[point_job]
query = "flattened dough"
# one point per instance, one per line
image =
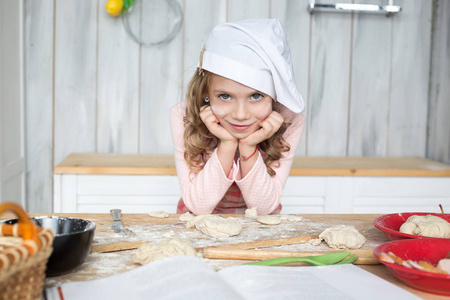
(150, 252)
(187, 216)
(158, 214)
(291, 218)
(429, 225)
(216, 226)
(269, 220)
(251, 213)
(342, 237)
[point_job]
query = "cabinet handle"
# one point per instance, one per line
(389, 9)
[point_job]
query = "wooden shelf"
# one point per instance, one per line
(159, 164)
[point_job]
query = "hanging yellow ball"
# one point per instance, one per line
(114, 7)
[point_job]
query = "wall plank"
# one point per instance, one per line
(196, 33)
(329, 84)
(370, 78)
(75, 77)
(439, 106)
(117, 86)
(294, 16)
(249, 9)
(161, 69)
(408, 108)
(39, 17)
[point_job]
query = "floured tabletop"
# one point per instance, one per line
(142, 227)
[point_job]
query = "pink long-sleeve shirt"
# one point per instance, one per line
(201, 192)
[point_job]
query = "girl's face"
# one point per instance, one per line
(238, 108)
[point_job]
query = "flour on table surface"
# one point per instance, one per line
(100, 265)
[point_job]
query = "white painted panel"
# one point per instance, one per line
(402, 186)
(126, 208)
(57, 193)
(438, 147)
(249, 9)
(302, 210)
(200, 18)
(370, 78)
(161, 71)
(301, 200)
(128, 185)
(412, 201)
(410, 79)
(339, 194)
(305, 185)
(128, 204)
(128, 199)
(75, 77)
(117, 87)
(392, 209)
(68, 194)
(296, 21)
(39, 20)
(329, 79)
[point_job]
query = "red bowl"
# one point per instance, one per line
(390, 225)
(431, 250)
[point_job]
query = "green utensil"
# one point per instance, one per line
(319, 260)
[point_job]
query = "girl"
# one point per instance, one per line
(236, 134)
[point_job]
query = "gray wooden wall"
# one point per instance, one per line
(366, 79)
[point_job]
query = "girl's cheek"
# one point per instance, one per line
(217, 111)
(264, 111)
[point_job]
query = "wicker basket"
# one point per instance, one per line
(24, 251)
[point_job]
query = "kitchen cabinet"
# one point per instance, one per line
(140, 183)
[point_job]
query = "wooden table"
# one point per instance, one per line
(99, 265)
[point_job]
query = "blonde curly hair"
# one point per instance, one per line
(198, 141)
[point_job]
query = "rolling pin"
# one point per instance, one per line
(365, 256)
(116, 246)
(266, 243)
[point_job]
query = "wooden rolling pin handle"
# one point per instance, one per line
(268, 243)
(117, 246)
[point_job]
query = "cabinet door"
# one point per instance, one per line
(401, 194)
(130, 193)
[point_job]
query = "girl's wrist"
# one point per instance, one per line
(247, 152)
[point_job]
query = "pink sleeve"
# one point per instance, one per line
(203, 191)
(263, 191)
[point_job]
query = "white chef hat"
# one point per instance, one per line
(255, 53)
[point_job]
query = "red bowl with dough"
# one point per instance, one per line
(431, 250)
(390, 224)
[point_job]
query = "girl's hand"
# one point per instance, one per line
(212, 123)
(268, 128)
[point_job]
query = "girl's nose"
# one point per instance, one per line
(241, 111)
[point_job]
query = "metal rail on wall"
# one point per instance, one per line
(389, 9)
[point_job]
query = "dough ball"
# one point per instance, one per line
(187, 216)
(158, 214)
(291, 218)
(341, 237)
(216, 226)
(269, 220)
(150, 252)
(251, 213)
(315, 242)
(431, 226)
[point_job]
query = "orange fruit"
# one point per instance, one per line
(114, 7)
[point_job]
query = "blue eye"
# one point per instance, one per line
(257, 97)
(225, 97)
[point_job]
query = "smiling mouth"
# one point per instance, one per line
(240, 127)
